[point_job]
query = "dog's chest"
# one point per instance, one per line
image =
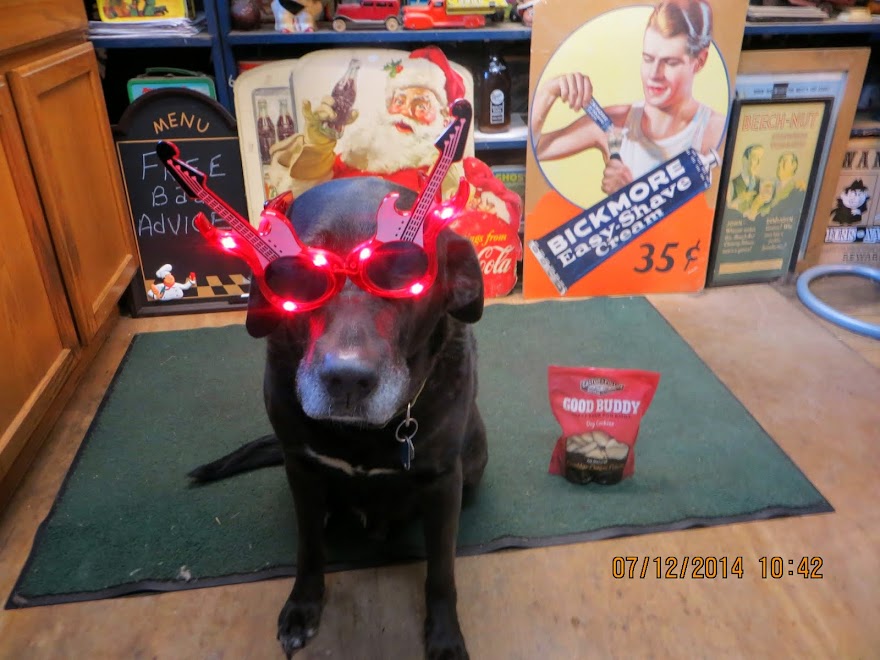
(349, 467)
(362, 455)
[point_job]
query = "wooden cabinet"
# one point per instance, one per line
(36, 330)
(67, 252)
(28, 23)
(64, 120)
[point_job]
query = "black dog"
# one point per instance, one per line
(338, 383)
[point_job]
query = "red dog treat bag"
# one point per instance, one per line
(599, 411)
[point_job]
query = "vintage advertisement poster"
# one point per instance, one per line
(372, 112)
(852, 234)
(629, 107)
(768, 179)
(807, 74)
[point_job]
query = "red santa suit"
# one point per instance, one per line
(409, 177)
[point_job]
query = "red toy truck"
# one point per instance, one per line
(367, 14)
(452, 14)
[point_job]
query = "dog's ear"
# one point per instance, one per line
(464, 280)
(262, 317)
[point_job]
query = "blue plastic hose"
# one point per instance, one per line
(828, 312)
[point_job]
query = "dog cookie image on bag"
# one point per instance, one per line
(345, 385)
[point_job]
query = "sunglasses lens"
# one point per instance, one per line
(298, 279)
(396, 265)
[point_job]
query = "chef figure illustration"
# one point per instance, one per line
(169, 289)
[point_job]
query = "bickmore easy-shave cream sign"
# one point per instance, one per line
(629, 106)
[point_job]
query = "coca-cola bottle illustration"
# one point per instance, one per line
(284, 125)
(265, 130)
(344, 93)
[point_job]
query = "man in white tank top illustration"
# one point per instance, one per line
(667, 122)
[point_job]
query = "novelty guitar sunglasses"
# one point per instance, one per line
(398, 261)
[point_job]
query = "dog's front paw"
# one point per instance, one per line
(298, 621)
(443, 640)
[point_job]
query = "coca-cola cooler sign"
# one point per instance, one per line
(354, 112)
(498, 248)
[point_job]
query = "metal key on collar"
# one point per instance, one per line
(405, 432)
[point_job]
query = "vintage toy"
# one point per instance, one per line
(296, 15)
(170, 78)
(367, 14)
(245, 14)
(523, 12)
(453, 14)
(494, 9)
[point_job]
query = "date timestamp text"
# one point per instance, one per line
(712, 568)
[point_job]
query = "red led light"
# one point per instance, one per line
(420, 227)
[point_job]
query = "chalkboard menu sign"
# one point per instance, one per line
(181, 272)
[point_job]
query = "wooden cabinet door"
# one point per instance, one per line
(28, 22)
(62, 113)
(38, 343)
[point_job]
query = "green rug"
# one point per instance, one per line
(126, 519)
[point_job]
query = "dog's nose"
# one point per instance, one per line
(348, 377)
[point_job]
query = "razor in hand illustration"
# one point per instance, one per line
(615, 135)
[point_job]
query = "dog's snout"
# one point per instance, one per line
(348, 377)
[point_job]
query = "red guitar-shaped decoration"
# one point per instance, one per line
(275, 237)
(395, 225)
(387, 271)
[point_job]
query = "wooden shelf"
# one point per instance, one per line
(492, 32)
(516, 137)
(499, 144)
(772, 28)
(201, 40)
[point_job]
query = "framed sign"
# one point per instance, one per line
(180, 271)
(769, 175)
(836, 73)
(629, 106)
(852, 232)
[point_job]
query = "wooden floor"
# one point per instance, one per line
(814, 387)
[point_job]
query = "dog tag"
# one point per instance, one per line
(407, 452)
(405, 432)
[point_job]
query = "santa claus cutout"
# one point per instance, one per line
(377, 112)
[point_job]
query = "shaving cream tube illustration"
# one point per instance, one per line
(578, 246)
(615, 135)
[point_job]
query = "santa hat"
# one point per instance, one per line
(428, 68)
